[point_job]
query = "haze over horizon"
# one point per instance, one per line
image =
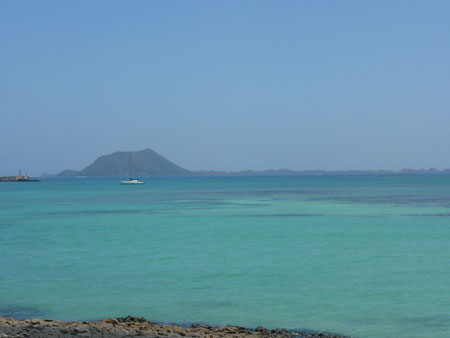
(225, 85)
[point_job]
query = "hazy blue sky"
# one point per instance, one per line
(226, 85)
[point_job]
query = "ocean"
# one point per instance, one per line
(362, 255)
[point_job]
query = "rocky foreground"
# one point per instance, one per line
(134, 327)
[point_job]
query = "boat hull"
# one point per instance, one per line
(131, 182)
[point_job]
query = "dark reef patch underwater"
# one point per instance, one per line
(20, 312)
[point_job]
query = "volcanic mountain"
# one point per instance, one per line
(125, 163)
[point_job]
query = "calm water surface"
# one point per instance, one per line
(364, 256)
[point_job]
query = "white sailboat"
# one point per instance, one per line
(131, 180)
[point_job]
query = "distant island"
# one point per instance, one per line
(149, 163)
(123, 163)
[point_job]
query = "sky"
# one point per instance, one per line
(225, 85)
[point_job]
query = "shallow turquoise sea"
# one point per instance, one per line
(363, 256)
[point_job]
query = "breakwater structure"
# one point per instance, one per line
(18, 178)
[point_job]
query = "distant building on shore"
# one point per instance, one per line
(18, 178)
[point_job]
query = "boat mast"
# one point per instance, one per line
(129, 166)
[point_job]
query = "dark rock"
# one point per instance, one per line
(241, 329)
(131, 319)
(281, 332)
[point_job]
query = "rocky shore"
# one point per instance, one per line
(135, 327)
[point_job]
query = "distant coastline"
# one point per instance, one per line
(18, 178)
(287, 172)
(149, 163)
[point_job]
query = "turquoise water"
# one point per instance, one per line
(364, 256)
